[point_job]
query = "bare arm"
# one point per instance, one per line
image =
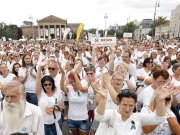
(111, 57)
(130, 85)
(174, 125)
(79, 85)
(148, 129)
(94, 55)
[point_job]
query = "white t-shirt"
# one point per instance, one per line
(77, 103)
(126, 127)
(175, 83)
(30, 82)
(45, 101)
(7, 79)
(147, 94)
(117, 60)
(99, 71)
(132, 79)
(143, 73)
(161, 129)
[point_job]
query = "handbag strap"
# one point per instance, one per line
(113, 119)
(54, 114)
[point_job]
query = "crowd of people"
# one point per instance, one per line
(133, 85)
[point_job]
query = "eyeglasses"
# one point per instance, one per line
(126, 92)
(167, 99)
(118, 80)
(49, 68)
(89, 73)
(47, 84)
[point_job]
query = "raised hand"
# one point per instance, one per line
(112, 48)
(123, 70)
(105, 78)
(95, 46)
(43, 64)
(49, 110)
(164, 91)
(99, 89)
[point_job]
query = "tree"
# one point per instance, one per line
(160, 20)
(111, 32)
(129, 27)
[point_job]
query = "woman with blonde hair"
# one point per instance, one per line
(169, 126)
(129, 80)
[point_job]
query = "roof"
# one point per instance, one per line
(51, 18)
(146, 23)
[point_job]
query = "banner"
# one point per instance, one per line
(79, 30)
(103, 41)
(52, 30)
(97, 32)
(105, 33)
(127, 35)
(57, 32)
(46, 32)
(67, 30)
(70, 35)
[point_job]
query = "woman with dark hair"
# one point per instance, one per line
(123, 120)
(15, 69)
(50, 100)
(145, 71)
(101, 63)
(77, 93)
(166, 64)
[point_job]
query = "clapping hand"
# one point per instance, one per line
(49, 110)
(43, 64)
(105, 78)
(99, 89)
(166, 90)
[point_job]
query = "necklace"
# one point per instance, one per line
(54, 97)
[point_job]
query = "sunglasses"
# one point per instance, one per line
(126, 92)
(47, 84)
(49, 68)
(150, 62)
(89, 73)
(167, 99)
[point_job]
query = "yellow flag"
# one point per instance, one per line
(79, 31)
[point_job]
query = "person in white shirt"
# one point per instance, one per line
(19, 116)
(126, 122)
(50, 100)
(169, 126)
(27, 76)
(77, 92)
(118, 58)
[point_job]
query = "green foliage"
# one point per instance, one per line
(160, 20)
(10, 31)
(111, 32)
(129, 27)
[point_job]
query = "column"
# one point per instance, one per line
(60, 32)
(39, 32)
(44, 31)
(55, 32)
(48, 31)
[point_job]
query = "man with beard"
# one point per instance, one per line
(19, 116)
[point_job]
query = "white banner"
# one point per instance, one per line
(46, 31)
(105, 33)
(103, 41)
(52, 30)
(70, 35)
(127, 35)
(67, 30)
(97, 32)
(57, 31)
(41, 32)
(62, 31)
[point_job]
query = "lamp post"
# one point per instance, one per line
(128, 18)
(105, 17)
(31, 18)
(156, 5)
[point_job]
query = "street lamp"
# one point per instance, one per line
(105, 17)
(31, 18)
(156, 5)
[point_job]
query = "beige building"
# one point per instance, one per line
(50, 27)
(162, 31)
(175, 23)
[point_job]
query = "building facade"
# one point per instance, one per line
(175, 23)
(143, 29)
(50, 27)
(162, 31)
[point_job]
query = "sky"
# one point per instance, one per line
(89, 12)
